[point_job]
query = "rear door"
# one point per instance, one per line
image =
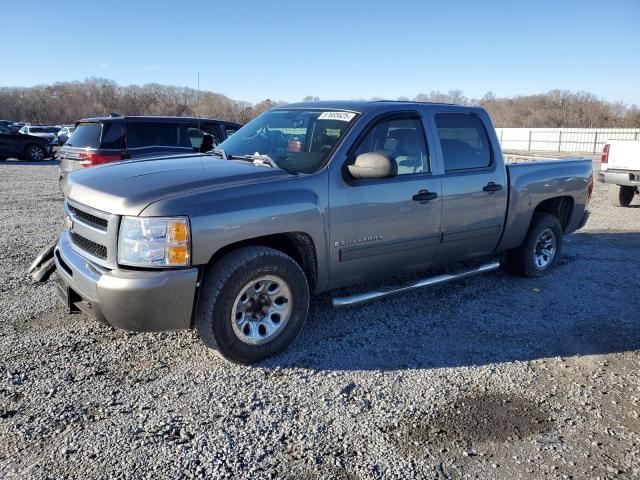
(474, 188)
(381, 227)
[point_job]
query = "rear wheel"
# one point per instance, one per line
(540, 250)
(35, 153)
(253, 303)
(621, 195)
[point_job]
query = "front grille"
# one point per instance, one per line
(95, 249)
(92, 220)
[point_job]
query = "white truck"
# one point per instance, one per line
(620, 168)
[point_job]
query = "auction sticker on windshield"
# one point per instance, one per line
(344, 116)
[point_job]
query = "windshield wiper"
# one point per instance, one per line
(261, 161)
(256, 159)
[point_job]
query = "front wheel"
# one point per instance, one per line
(540, 250)
(35, 153)
(253, 303)
(621, 195)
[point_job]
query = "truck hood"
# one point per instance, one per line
(126, 188)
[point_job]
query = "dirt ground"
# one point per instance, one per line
(492, 377)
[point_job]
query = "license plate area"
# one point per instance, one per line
(67, 295)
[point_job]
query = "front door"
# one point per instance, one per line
(474, 189)
(382, 227)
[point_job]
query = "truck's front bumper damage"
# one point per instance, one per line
(136, 300)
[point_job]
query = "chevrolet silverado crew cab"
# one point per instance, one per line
(620, 168)
(304, 199)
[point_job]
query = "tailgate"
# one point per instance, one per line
(624, 155)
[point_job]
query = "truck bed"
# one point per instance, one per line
(534, 180)
(511, 157)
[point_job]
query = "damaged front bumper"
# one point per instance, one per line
(136, 300)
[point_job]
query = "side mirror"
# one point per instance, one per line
(373, 165)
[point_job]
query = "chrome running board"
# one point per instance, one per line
(425, 282)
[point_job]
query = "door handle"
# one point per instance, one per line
(492, 187)
(424, 196)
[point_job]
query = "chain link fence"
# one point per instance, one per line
(563, 140)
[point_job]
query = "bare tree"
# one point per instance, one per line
(70, 101)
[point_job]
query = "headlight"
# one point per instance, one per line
(154, 242)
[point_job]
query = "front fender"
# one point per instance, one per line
(229, 215)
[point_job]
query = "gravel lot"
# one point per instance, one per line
(492, 377)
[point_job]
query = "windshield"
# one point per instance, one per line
(296, 140)
(37, 130)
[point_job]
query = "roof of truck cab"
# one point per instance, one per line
(362, 106)
(157, 118)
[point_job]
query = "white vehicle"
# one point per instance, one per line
(50, 133)
(64, 133)
(620, 168)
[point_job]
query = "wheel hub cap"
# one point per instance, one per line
(261, 310)
(545, 249)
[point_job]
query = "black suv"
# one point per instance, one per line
(108, 139)
(23, 147)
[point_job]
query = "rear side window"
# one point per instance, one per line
(463, 140)
(86, 135)
(113, 135)
(156, 134)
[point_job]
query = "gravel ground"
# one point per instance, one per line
(492, 377)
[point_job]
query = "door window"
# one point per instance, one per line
(463, 140)
(403, 140)
(196, 135)
(154, 134)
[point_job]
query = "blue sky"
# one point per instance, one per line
(332, 49)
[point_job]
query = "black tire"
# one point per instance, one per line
(35, 153)
(523, 260)
(621, 195)
(226, 280)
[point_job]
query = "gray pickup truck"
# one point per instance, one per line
(304, 199)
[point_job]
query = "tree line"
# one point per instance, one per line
(67, 102)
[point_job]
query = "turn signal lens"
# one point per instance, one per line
(178, 255)
(179, 231)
